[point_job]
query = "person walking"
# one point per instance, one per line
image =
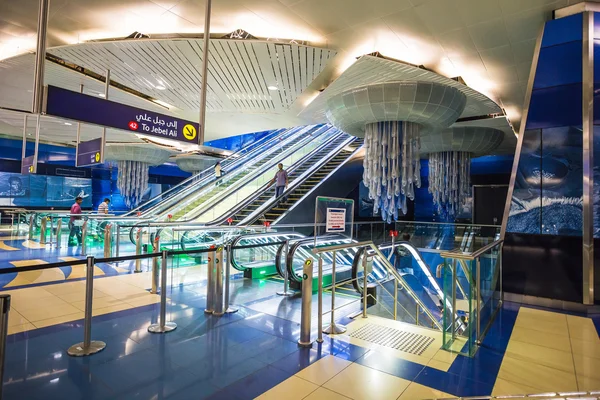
(218, 172)
(103, 207)
(281, 182)
(74, 221)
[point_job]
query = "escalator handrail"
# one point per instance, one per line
(289, 260)
(235, 155)
(239, 238)
(297, 181)
(231, 190)
(236, 163)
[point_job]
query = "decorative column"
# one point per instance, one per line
(393, 117)
(133, 162)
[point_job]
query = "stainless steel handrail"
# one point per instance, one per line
(470, 256)
(391, 270)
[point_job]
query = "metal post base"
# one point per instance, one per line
(231, 310)
(135, 271)
(335, 329)
(77, 350)
(304, 344)
(286, 293)
(157, 328)
(206, 311)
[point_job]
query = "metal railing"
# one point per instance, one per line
(593, 395)
(480, 288)
(307, 285)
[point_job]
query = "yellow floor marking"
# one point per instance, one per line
(6, 247)
(78, 271)
(33, 245)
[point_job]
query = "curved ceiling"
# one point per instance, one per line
(488, 43)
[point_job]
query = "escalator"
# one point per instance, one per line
(230, 179)
(199, 180)
(248, 213)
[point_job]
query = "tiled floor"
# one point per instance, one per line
(254, 353)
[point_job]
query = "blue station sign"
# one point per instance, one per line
(80, 107)
(89, 153)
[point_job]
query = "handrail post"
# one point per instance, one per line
(155, 249)
(307, 278)
(364, 262)
(218, 309)
(5, 307)
(58, 233)
(138, 251)
(333, 328)
(227, 307)
(163, 326)
(286, 291)
(210, 284)
(88, 346)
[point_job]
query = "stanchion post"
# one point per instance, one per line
(83, 236)
(364, 262)
(58, 233)
(307, 275)
(88, 346)
(31, 227)
(154, 289)
(228, 308)
(286, 291)
(163, 326)
(107, 241)
(118, 243)
(210, 284)
(333, 328)
(51, 229)
(43, 230)
(138, 251)
(320, 301)
(218, 309)
(5, 308)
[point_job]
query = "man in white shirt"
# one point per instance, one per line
(103, 207)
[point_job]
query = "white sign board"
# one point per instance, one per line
(336, 220)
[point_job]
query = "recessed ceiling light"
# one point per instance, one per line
(161, 87)
(68, 123)
(272, 88)
(101, 95)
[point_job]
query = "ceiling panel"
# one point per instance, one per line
(240, 72)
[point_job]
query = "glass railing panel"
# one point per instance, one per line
(473, 293)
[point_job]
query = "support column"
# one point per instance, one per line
(588, 157)
(204, 76)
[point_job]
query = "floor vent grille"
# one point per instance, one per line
(397, 339)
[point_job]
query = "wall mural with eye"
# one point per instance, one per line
(547, 197)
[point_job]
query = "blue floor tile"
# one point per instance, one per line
(298, 360)
(391, 365)
(456, 385)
